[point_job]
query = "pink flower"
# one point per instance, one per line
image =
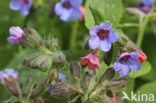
(92, 60)
(142, 57)
(82, 10)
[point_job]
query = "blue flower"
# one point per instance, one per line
(127, 62)
(146, 5)
(22, 5)
(147, 2)
(102, 36)
(68, 9)
(7, 73)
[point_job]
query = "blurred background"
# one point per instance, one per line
(49, 26)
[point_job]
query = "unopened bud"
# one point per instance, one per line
(117, 84)
(63, 89)
(51, 9)
(75, 70)
(108, 57)
(12, 86)
(40, 89)
(39, 61)
(59, 58)
(33, 39)
(86, 45)
(108, 75)
(135, 11)
(87, 78)
(27, 87)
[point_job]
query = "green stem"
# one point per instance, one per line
(44, 49)
(142, 30)
(74, 35)
(128, 25)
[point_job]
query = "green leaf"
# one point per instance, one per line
(98, 11)
(89, 19)
(148, 89)
(145, 68)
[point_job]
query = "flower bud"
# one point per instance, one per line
(33, 39)
(108, 56)
(39, 61)
(86, 46)
(59, 58)
(63, 89)
(87, 78)
(108, 75)
(40, 89)
(27, 87)
(142, 57)
(12, 86)
(51, 9)
(117, 84)
(75, 70)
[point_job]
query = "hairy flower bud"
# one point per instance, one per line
(39, 61)
(51, 9)
(40, 89)
(86, 45)
(75, 70)
(63, 89)
(12, 86)
(59, 58)
(108, 57)
(117, 84)
(27, 87)
(108, 75)
(87, 78)
(33, 39)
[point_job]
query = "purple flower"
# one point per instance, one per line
(127, 62)
(22, 5)
(7, 73)
(15, 34)
(68, 9)
(102, 36)
(146, 5)
(62, 77)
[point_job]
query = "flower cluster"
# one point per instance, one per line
(68, 9)
(22, 5)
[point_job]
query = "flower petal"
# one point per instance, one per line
(113, 37)
(122, 67)
(134, 64)
(76, 13)
(16, 32)
(93, 31)
(94, 42)
(66, 15)
(15, 4)
(25, 9)
(58, 9)
(13, 40)
(105, 45)
(135, 54)
(107, 25)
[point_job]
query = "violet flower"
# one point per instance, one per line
(127, 62)
(15, 34)
(102, 36)
(7, 73)
(22, 5)
(68, 9)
